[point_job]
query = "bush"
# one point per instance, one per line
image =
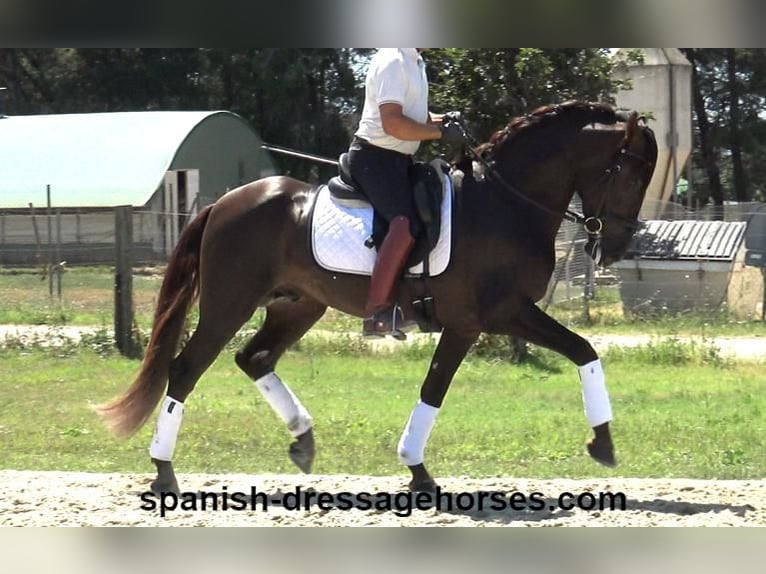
(510, 349)
(670, 351)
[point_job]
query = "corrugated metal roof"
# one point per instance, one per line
(90, 160)
(688, 240)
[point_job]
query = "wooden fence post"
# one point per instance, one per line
(37, 233)
(50, 242)
(763, 303)
(78, 230)
(2, 238)
(123, 281)
(59, 263)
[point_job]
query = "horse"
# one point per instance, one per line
(250, 249)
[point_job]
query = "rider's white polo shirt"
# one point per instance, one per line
(395, 75)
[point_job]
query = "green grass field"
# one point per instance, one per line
(679, 412)
(87, 297)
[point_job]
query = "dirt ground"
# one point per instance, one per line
(33, 498)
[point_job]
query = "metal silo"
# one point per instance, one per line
(661, 86)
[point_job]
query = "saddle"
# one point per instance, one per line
(427, 195)
(431, 251)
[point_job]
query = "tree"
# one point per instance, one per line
(492, 86)
(735, 127)
(310, 98)
(729, 92)
(706, 150)
(294, 97)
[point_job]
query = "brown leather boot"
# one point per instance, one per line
(382, 316)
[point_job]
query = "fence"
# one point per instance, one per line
(34, 238)
(726, 285)
(78, 237)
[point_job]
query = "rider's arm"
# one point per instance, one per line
(396, 124)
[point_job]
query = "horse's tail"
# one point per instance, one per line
(180, 287)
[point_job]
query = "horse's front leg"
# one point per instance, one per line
(449, 353)
(540, 329)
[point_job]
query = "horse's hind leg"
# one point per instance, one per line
(540, 329)
(286, 322)
(214, 330)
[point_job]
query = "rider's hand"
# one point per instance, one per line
(452, 133)
(452, 117)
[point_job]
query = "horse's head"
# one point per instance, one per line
(617, 162)
(606, 156)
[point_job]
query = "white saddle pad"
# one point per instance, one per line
(338, 233)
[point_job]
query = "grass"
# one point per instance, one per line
(680, 411)
(87, 297)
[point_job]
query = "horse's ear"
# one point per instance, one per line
(630, 127)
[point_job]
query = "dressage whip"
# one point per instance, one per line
(300, 154)
(472, 146)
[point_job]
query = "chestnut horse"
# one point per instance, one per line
(251, 248)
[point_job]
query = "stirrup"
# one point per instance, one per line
(385, 322)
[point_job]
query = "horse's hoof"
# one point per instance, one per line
(166, 478)
(602, 454)
(301, 451)
(159, 487)
(428, 486)
(421, 479)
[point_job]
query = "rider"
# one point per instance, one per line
(395, 119)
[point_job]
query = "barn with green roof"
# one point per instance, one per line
(166, 165)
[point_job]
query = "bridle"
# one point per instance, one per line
(592, 224)
(601, 215)
(593, 246)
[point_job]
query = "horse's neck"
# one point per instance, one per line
(543, 217)
(545, 196)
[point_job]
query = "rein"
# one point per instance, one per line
(593, 224)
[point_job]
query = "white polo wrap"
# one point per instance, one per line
(284, 403)
(415, 436)
(166, 432)
(598, 409)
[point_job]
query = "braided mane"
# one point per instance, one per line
(577, 112)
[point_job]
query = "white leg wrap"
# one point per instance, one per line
(284, 403)
(598, 409)
(166, 432)
(415, 435)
